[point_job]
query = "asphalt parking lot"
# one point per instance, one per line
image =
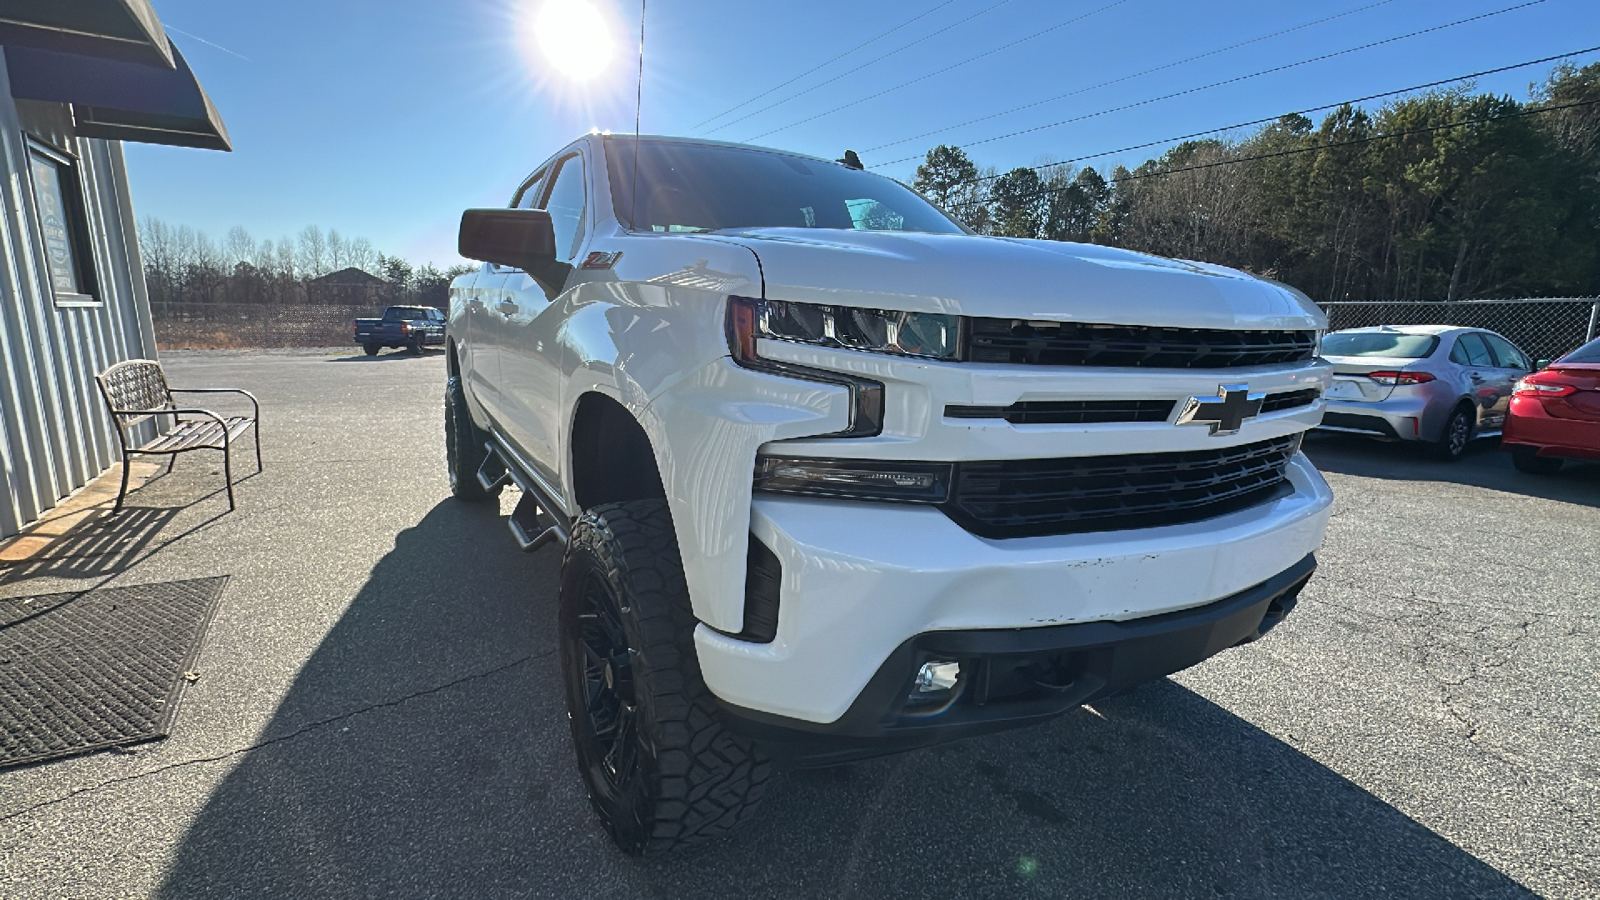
(378, 711)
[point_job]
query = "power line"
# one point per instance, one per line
(1151, 71)
(1299, 112)
(897, 50)
(1427, 129)
(1235, 80)
(824, 65)
(971, 59)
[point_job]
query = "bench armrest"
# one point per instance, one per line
(253, 402)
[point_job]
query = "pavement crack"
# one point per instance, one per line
(282, 738)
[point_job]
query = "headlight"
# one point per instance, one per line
(924, 335)
(858, 479)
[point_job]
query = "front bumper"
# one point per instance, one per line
(861, 579)
(1016, 677)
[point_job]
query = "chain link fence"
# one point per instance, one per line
(1543, 328)
(221, 326)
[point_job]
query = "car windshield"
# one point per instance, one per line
(701, 187)
(1588, 353)
(1394, 344)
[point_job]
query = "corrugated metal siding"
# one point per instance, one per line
(54, 433)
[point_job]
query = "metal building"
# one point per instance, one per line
(77, 79)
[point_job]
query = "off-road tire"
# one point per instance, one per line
(1528, 460)
(463, 445)
(1457, 435)
(372, 349)
(688, 778)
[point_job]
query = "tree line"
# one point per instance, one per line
(184, 265)
(1446, 195)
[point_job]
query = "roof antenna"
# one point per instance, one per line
(851, 160)
(638, 103)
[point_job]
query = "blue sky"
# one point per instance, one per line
(385, 118)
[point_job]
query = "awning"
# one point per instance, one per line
(120, 100)
(112, 29)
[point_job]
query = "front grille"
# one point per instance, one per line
(1079, 344)
(1068, 412)
(1030, 497)
(1097, 412)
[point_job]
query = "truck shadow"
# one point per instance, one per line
(389, 355)
(423, 751)
(1484, 465)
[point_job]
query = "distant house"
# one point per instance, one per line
(76, 79)
(349, 286)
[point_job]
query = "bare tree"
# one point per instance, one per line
(338, 251)
(240, 246)
(313, 251)
(359, 253)
(288, 260)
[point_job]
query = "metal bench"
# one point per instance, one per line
(137, 390)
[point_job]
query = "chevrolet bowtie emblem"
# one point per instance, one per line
(1226, 412)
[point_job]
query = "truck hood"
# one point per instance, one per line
(974, 275)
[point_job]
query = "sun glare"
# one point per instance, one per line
(573, 37)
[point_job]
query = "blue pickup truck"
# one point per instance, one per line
(414, 327)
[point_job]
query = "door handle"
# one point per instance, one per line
(1476, 378)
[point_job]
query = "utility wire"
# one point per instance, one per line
(824, 65)
(1151, 71)
(873, 62)
(1427, 129)
(1299, 112)
(970, 59)
(1234, 80)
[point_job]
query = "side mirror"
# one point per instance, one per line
(1541, 364)
(519, 238)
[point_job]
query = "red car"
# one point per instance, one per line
(1555, 413)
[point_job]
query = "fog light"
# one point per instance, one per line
(937, 676)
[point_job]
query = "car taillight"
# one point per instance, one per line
(1543, 384)
(405, 327)
(1400, 377)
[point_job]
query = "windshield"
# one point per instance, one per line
(700, 187)
(395, 313)
(1588, 353)
(1379, 343)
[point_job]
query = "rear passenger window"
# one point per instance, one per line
(1470, 350)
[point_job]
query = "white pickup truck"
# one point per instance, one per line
(837, 477)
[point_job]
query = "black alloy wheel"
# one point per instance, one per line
(661, 769)
(372, 349)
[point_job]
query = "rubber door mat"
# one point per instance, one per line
(86, 670)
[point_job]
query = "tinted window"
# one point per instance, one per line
(698, 187)
(60, 203)
(1506, 355)
(1588, 353)
(1379, 343)
(566, 206)
(1470, 350)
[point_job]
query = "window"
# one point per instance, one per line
(1588, 353)
(566, 206)
(1470, 350)
(68, 255)
(1506, 354)
(684, 186)
(528, 194)
(1392, 344)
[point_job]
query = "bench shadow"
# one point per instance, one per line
(1485, 465)
(423, 751)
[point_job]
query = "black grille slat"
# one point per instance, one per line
(1289, 400)
(1080, 344)
(1016, 498)
(1100, 412)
